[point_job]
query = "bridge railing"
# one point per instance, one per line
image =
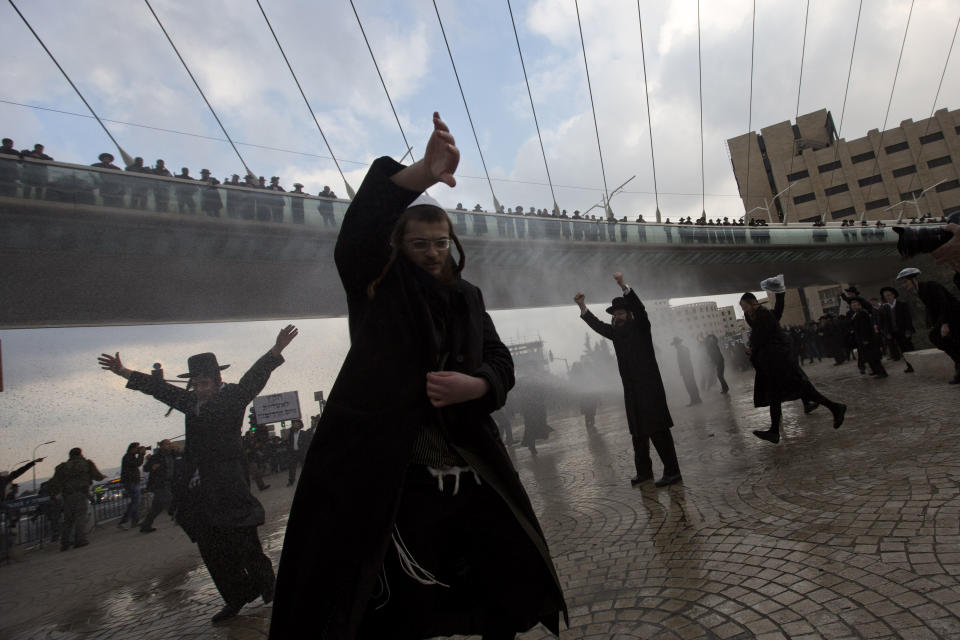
(83, 186)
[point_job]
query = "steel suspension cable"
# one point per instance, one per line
(936, 97)
(123, 154)
(753, 42)
(513, 22)
(653, 161)
(846, 90)
(496, 203)
(350, 191)
(197, 85)
(803, 51)
(382, 83)
(603, 173)
(703, 184)
(903, 44)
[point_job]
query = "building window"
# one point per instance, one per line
(910, 195)
(807, 197)
(830, 166)
(900, 146)
(871, 180)
(904, 171)
(798, 175)
(947, 186)
(931, 137)
(840, 188)
(939, 162)
(862, 157)
(842, 213)
(876, 204)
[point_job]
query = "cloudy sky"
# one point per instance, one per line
(119, 58)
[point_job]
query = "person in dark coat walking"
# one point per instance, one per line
(712, 346)
(409, 519)
(868, 340)
(297, 444)
(160, 467)
(896, 323)
(779, 377)
(213, 503)
(686, 371)
(943, 314)
(648, 417)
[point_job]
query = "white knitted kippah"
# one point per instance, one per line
(425, 199)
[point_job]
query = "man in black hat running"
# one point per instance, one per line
(213, 502)
(643, 395)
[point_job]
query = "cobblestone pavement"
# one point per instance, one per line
(849, 533)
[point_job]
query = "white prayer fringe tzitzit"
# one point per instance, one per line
(440, 474)
(410, 566)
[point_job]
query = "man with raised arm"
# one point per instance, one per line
(211, 495)
(409, 519)
(648, 416)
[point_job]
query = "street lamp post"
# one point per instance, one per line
(915, 201)
(34, 457)
(766, 207)
(790, 186)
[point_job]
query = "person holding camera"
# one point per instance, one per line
(130, 477)
(943, 314)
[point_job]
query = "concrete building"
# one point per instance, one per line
(913, 168)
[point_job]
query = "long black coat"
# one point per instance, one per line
(213, 446)
(896, 315)
(351, 485)
(643, 393)
(942, 308)
(779, 377)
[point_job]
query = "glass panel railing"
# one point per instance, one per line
(81, 185)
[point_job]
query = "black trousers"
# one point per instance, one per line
(691, 383)
(236, 562)
(809, 394)
(721, 365)
(663, 443)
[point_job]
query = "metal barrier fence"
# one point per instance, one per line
(34, 520)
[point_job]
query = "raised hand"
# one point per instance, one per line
(579, 299)
(618, 276)
(441, 156)
(110, 362)
(285, 337)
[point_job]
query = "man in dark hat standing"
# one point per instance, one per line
(686, 371)
(213, 502)
(210, 201)
(648, 417)
(111, 187)
(896, 324)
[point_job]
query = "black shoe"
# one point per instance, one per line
(838, 415)
(264, 487)
(668, 480)
(228, 611)
(882, 375)
(638, 479)
(909, 369)
(863, 371)
(82, 543)
(808, 407)
(768, 434)
(147, 529)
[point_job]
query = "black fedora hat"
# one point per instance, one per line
(203, 364)
(617, 303)
(896, 294)
(105, 157)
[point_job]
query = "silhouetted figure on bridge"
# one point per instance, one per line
(213, 502)
(296, 204)
(161, 188)
(138, 190)
(185, 193)
(34, 173)
(648, 416)
(9, 168)
(111, 187)
(210, 202)
(779, 377)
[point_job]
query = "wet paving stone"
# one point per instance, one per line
(849, 533)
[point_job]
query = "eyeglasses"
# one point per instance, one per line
(423, 244)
